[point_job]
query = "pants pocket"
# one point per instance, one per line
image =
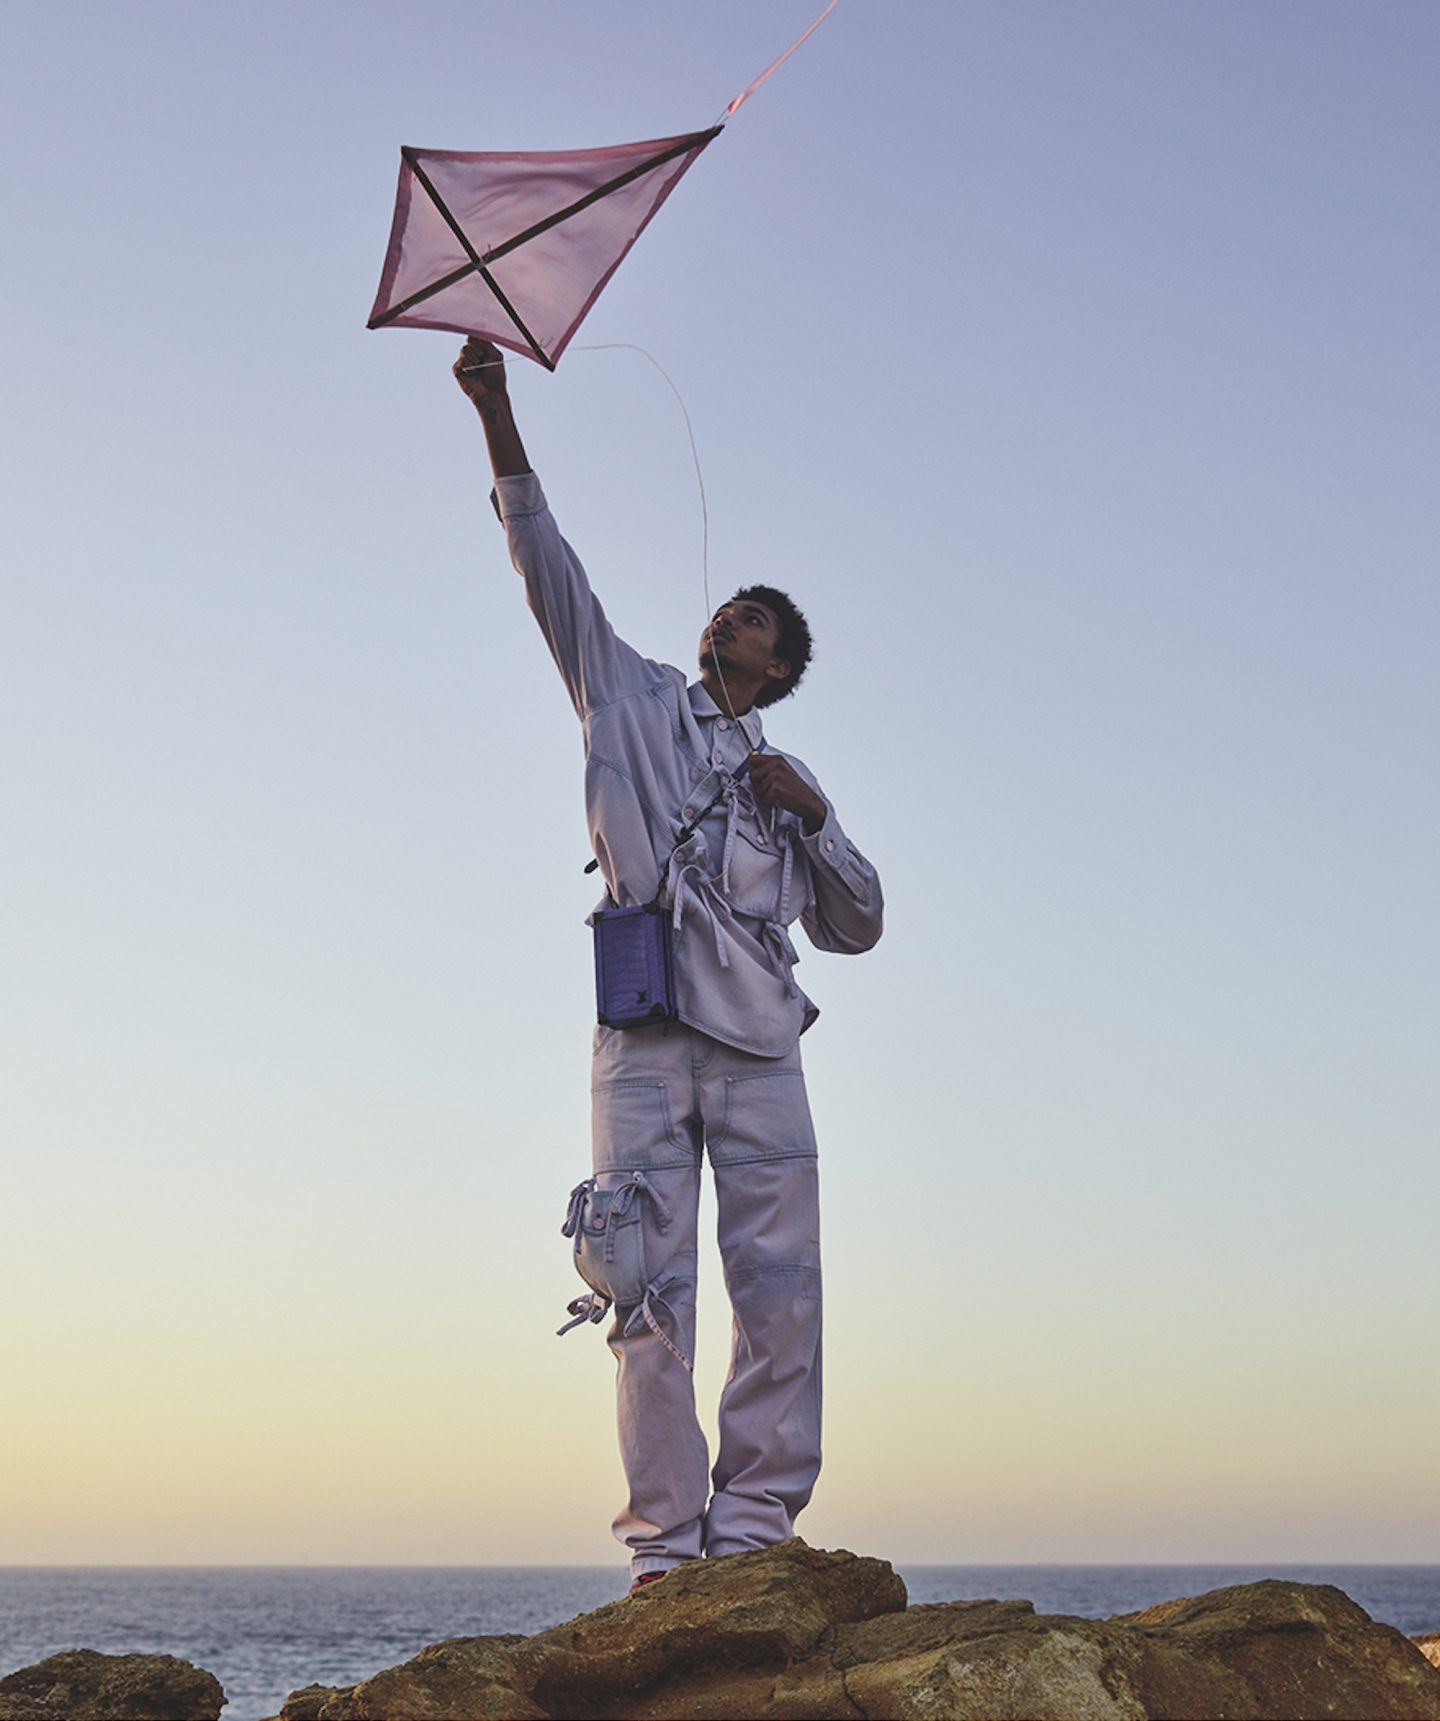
(767, 1116)
(631, 1127)
(608, 1226)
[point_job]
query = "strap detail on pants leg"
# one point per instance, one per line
(655, 1293)
(575, 1211)
(593, 1306)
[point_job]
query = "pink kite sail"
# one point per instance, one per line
(516, 246)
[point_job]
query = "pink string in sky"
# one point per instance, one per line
(750, 88)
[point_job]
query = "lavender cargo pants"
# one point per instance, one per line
(662, 1097)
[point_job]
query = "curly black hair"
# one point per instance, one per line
(796, 645)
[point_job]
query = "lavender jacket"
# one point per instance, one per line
(656, 750)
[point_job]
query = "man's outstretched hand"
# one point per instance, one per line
(778, 784)
(480, 371)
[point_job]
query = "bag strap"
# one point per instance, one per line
(688, 830)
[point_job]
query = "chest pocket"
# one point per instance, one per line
(764, 878)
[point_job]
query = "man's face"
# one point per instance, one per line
(743, 639)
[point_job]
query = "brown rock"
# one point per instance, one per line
(699, 1629)
(1428, 1643)
(307, 1703)
(473, 1677)
(1280, 1647)
(1265, 1650)
(795, 1634)
(84, 1685)
(761, 1610)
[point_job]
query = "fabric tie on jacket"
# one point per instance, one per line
(739, 801)
(691, 884)
(777, 942)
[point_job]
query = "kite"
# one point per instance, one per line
(517, 246)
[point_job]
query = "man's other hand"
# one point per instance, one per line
(778, 784)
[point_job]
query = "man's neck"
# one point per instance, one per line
(731, 696)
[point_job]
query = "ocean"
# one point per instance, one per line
(263, 1631)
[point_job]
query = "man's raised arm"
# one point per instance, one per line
(480, 371)
(596, 665)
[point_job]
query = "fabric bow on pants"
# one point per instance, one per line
(663, 1097)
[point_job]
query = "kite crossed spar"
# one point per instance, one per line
(516, 246)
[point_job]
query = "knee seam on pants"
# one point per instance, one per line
(747, 1284)
(761, 1158)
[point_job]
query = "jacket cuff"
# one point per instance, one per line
(828, 847)
(514, 498)
(828, 843)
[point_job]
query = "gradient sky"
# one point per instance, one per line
(1075, 366)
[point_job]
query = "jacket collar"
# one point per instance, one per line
(702, 705)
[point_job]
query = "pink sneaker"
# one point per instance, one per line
(643, 1579)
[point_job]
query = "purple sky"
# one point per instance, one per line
(1075, 367)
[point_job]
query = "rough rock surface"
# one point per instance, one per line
(791, 1632)
(84, 1685)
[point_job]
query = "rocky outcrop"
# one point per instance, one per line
(84, 1685)
(793, 1632)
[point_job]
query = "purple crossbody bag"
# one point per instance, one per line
(634, 966)
(634, 948)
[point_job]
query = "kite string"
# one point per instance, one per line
(630, 346)
(774, 66)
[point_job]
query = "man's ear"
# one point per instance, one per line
(777, 669)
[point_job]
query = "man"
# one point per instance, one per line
(688, 804)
